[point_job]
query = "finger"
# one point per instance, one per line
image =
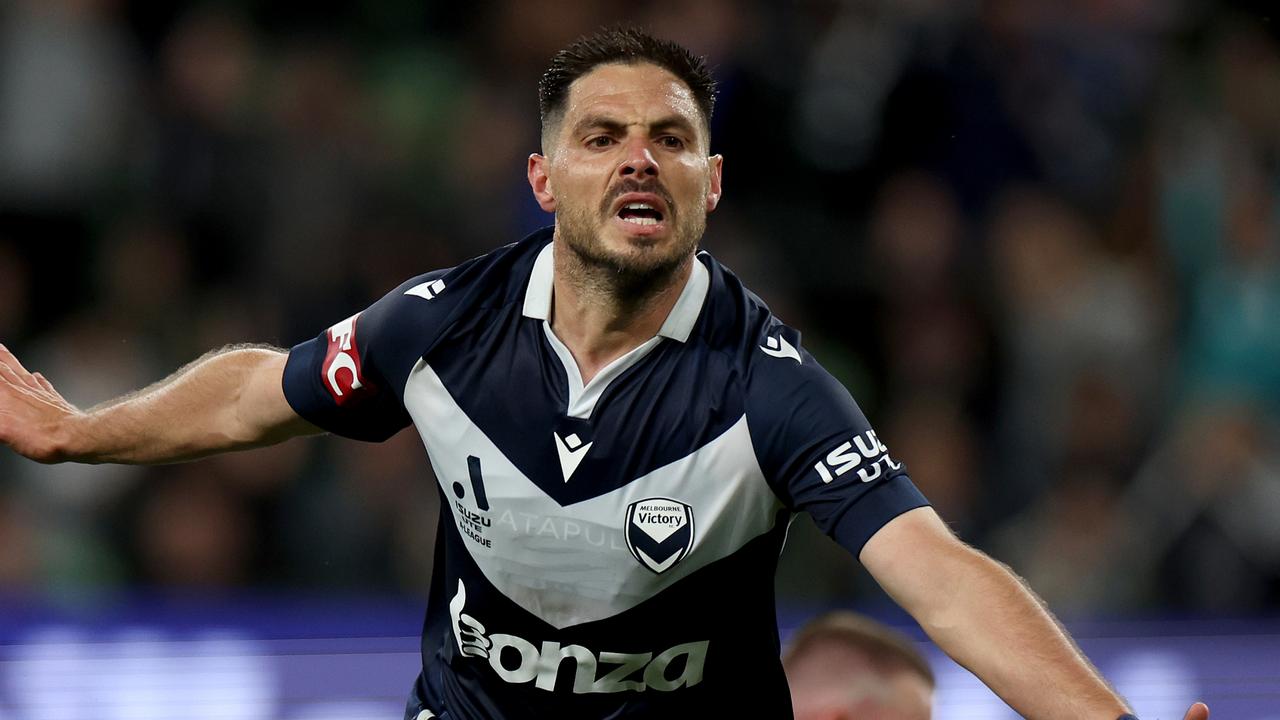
(10, 380)
(1198, 711)
(13, 381)
(18, 384)
(51, 394)
(8, 374)
(44, 383)
(8, 358)
(10, 383)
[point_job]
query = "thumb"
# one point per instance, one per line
(1198, 711)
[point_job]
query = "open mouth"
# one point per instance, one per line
(640, 213)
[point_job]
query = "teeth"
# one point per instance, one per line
(640, 220)
(637, 206)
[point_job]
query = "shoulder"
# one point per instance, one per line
(794, 406)
(768, 354)
(406, 323)
(429, 303)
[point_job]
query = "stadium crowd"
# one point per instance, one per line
(1039, 241)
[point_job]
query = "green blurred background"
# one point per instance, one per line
(1039, 241)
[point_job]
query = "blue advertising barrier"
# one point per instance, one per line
(354, 659)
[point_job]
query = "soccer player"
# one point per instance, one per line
(843, 666)
(620, 431)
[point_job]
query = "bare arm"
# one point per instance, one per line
(230, 399)
(987, 620)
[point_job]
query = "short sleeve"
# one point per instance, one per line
(819, 451)
(349, 380)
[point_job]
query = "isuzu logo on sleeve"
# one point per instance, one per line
(659, 532)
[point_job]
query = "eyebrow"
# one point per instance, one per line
(613, 125)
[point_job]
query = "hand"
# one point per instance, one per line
(1198, 711)
(32, 414)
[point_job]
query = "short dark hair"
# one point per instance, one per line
(886, 648)
(629, 46)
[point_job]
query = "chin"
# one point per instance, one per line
(638, 252)
(638, 262)
(647, 251)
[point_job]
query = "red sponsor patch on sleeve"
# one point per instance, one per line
(341, 368)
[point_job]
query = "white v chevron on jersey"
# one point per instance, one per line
(603, 567)
(571, 450)
(571, 565)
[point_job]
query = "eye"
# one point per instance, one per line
(600, 141)
(671, 142)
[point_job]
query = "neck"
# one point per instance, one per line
(601, 315)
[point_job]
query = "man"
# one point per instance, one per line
(620, 431)
(843, 666)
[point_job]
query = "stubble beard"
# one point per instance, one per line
(637, 273)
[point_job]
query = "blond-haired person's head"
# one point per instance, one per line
(843, 666)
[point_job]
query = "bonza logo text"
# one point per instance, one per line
(843, 459)
(633, 671)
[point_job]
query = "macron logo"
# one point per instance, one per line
(779, 347)
(427, 290)
(571, 450)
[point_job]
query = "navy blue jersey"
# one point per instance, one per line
(607, 549)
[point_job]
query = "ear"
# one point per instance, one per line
(540, 182)
(716, 163)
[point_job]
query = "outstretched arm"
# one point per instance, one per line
(987, 620)
(230, 399)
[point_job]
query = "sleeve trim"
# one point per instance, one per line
(873, 510)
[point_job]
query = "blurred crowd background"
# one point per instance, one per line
(1038, 239)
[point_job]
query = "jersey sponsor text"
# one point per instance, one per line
(519, 661)
(844, 458)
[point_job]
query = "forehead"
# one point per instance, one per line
(911, 693)
(633, 92)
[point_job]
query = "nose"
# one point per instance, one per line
(638, 161)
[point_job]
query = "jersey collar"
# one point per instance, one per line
(678, 325)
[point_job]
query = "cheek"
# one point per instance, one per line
(699, 177)
(578, 187)
(693, 193)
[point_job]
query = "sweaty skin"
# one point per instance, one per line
(629, 133)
